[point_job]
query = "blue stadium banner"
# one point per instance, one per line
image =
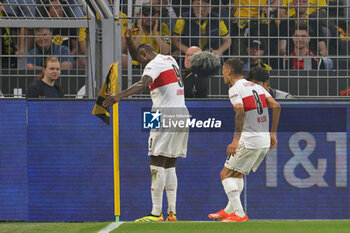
(56, 163)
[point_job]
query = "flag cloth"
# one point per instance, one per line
(111, 85)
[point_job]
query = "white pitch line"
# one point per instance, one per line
(110, 227)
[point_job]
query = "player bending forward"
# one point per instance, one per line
(251, 139)
(161, 73)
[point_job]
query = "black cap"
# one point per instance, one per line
(256, 42)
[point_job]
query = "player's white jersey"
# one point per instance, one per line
(167, 87)
(255, 132)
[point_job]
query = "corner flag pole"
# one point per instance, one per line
(116, 161)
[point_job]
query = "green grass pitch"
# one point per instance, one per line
(182, 227)
(248, 227)
(51, 227)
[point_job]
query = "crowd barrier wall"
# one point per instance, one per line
(56, 163)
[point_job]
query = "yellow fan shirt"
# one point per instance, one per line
(248, 12)
(244, 9)
(180, 24)
(314, 5)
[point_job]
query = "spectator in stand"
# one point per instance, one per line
(196, 29)
(317, 42)
(255, 50)
(45, 86)
(165, 11)
(68, 37)
(260, 76)
(304, 58)
(150, 30)
(44, 47)
(61, 36)
(27, 9)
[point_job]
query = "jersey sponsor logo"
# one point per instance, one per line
(165, 78)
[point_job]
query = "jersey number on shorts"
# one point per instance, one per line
(178, 76)
(259, 105)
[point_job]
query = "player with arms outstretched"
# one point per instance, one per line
(251, 139)
(161, 73)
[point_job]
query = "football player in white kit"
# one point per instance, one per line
(161, 74)
(251, 139)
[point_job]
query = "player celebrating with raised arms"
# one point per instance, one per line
(161, 73)
(251, 139)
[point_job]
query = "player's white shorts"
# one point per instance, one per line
(246, 159)
(168, 144)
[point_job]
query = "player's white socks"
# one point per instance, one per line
(229, 209)
(233, 188)
(157, 188)
(240, 184)
(171, 188)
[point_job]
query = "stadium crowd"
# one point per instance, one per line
(276, 35)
